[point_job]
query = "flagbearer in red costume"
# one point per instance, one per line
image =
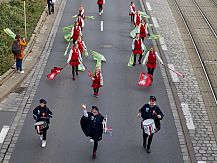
(81, 12)
(80, 21)
(137, 18)
(73, 60)
(97, 81)
(137, 48)
(76, 31)
(132, 11)
(81, 44)
(143, 30)
(100, 3)
(151, 60)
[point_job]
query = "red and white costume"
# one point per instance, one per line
(97, 80)
(101, 2)
(137, 19)
(132, 9)
(80, 22)
(81, 12)
(143, 30)
(81, 45)
(76, 31)
(151, 59)
(74, 57)
(137, 46)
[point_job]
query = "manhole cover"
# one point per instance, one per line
(107, 46)
(20, 89)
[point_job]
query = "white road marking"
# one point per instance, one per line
(164, 47)
(201, 161)
(187, 114)
(148, 6)
(173, 74)
(101, 26)
(4, 133)
(154, 20)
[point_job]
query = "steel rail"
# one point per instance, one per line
(197, 51)
(205, 18)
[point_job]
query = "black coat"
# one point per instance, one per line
(92, 126)
(147, 112)
(39, 113)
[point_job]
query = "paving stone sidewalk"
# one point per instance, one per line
(202, 137)
(20, 102)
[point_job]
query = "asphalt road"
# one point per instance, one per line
(120, 99)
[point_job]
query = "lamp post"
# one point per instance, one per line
(24, 9)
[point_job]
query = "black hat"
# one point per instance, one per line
(153, 98)
(95, 107)
(42, 101)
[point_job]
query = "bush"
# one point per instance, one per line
(12, 16)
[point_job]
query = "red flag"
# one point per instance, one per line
(145, 79)
(54, 72)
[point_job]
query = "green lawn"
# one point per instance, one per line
(12, 16)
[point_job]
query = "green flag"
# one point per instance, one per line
(143, 14)
(130, 63)
(154, 37)
(90, 17)
(97, 56)
(10, 33)
(134, 32)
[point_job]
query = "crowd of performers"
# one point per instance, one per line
(150, 112)
(93, 123)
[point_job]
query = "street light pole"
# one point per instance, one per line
(24, 9)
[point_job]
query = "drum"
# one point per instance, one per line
(39, 126)
(149, 126)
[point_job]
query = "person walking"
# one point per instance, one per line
(100, 6)
(76, 31)
(137, 18)
(81, 45)
(150, 111)
(50, 5)
(97, 81)
(18, 50)
(138, 48)
(80, 22)
(81, 11)
(151, 60)
(73, 60)
(92, 125)
(43, 113)
(143, 31)
(132, 11)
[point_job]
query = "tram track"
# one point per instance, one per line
(198, 45)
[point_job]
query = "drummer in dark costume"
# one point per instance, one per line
(143, 30)
(73, 60)
(92, 125)
(80, 22)
(81, 11)
(150, 111)
(76, 31)
(137, 48)
(43, 114)
(81, 45)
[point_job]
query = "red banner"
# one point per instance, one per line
(54, 72)
(145, 79)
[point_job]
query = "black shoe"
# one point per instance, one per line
(134, 64)
(148, 150)
(140, 62)
(144, 145)
(94, 155)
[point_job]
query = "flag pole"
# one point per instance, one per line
(24, 9)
